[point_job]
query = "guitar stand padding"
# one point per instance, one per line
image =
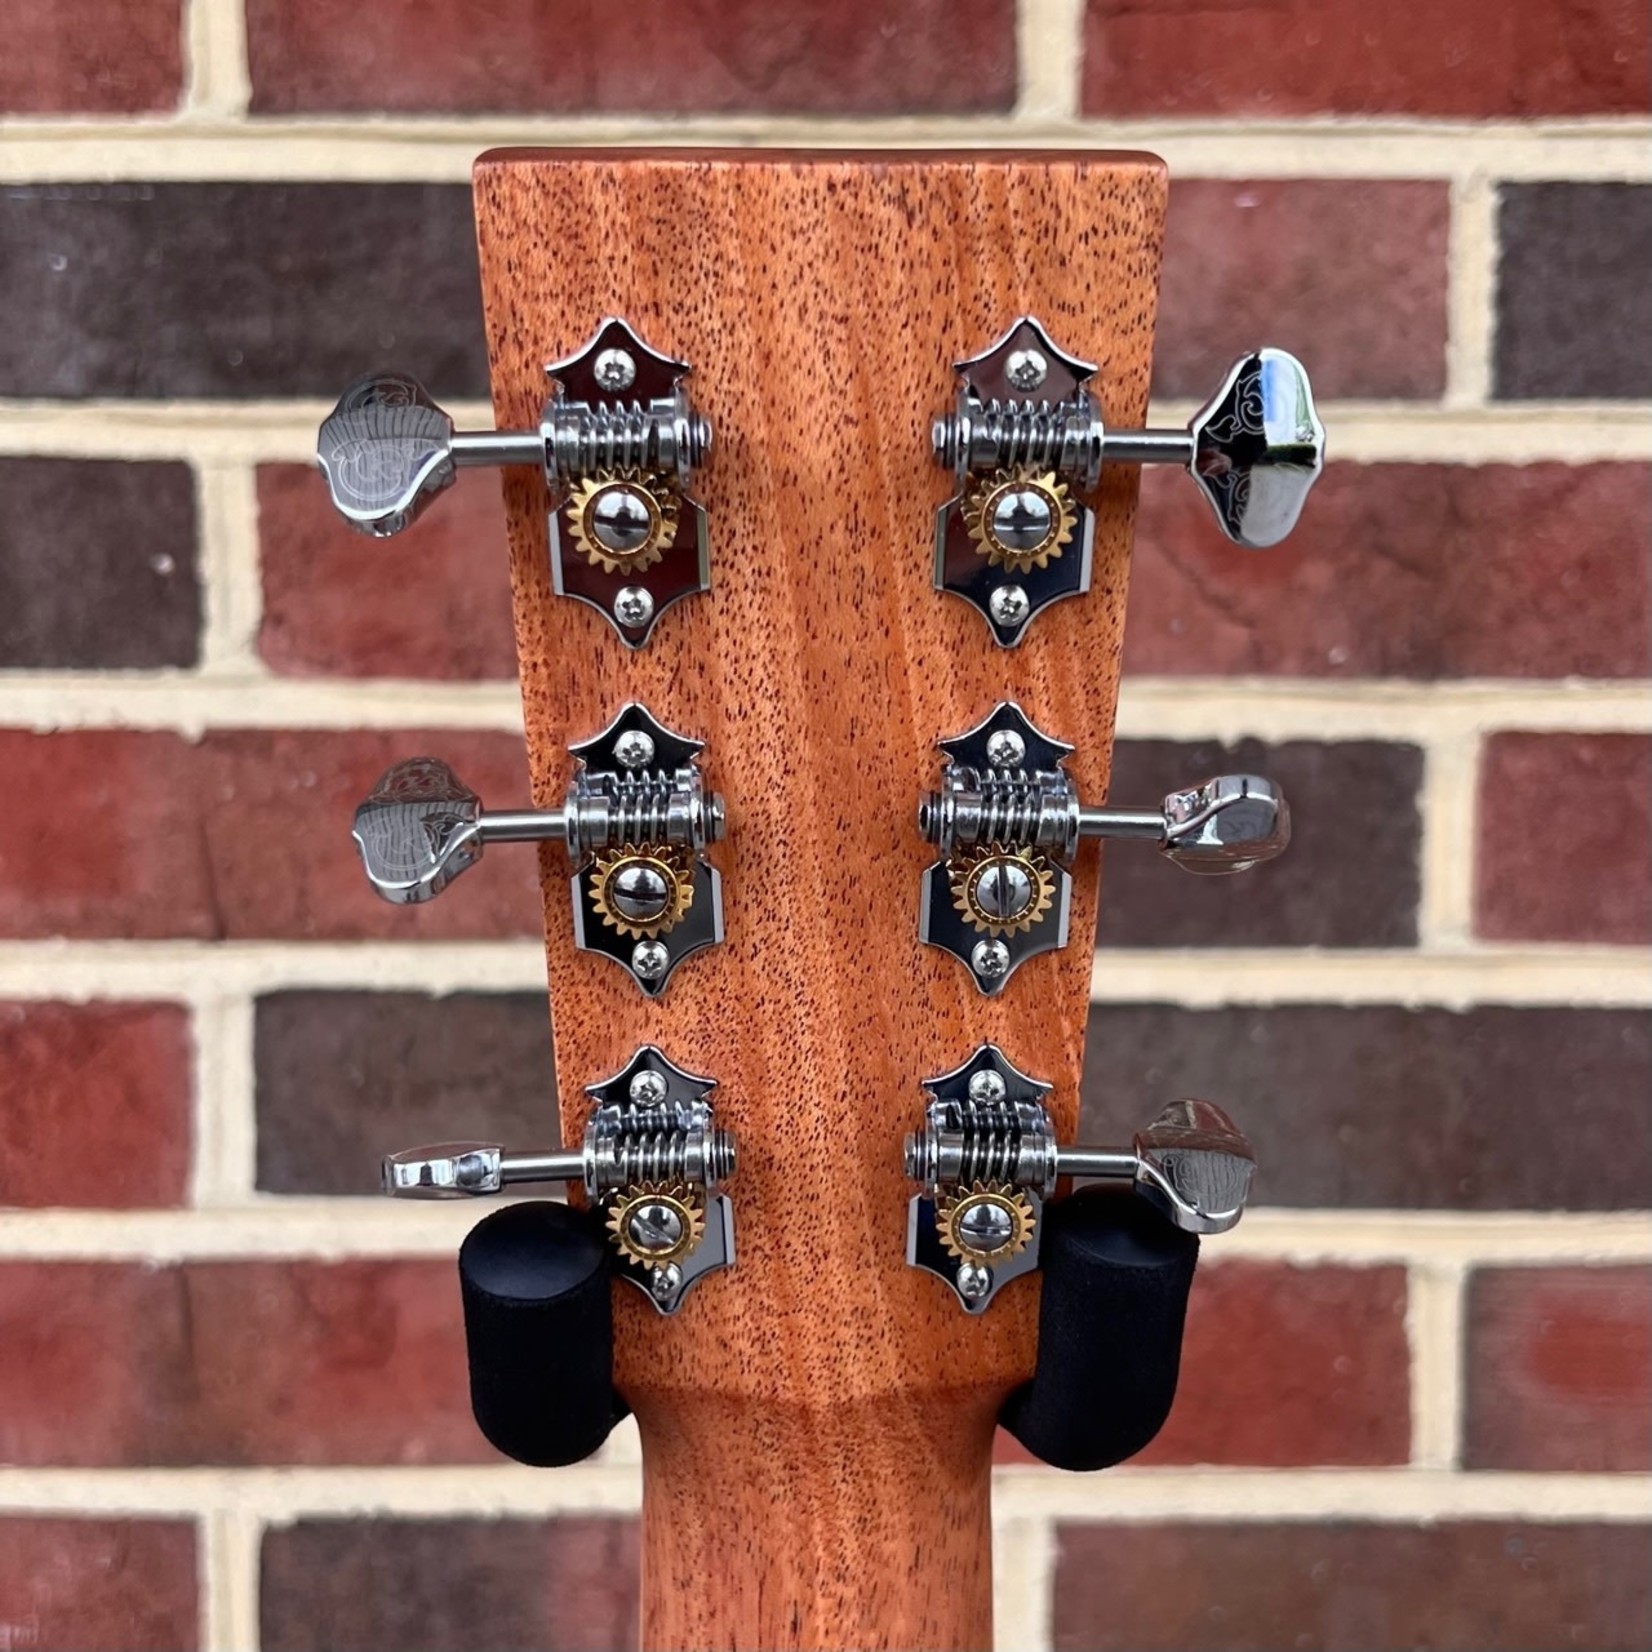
(1116, 1278)
(539, 1329)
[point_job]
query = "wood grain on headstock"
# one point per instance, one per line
(817, 1423)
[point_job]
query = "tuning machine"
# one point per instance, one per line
(618, 442)
(653, 1158)
(1026, 439)
(1008, 821)
(636, 821)
(988, 1160)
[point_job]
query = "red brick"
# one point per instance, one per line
(1420, 571)
(1564, 824)
(97, 1104)
(246, 834)
(1295, 263)
(653, 56)
(113, 1364)
(1559, 1369)
(1286, 1367)
(1348, 1586)
(1528, 58)
(91, 57)
(97, 1585)
(433, 602)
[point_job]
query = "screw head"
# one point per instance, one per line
(973, 1281)
(615, 370)
(1026, 369)
(648, 1088)
(1004, 890)
(990, 960)
(663, 1282)
(633, 606)
(654, 1228)
(639, 891)
(649, 960)
(1006, 749)
(984, 1227)
(634, 749)
(1022, 519)
(986, 1086)
(620, 520)
(1009, 605)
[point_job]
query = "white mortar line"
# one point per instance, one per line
(340, 1229)
(441, 149)
(1471, 307)
(230, 1540)
(225, 1107)
(218, 86)
(1434, 1327)
(1384, 1496)
(1448, 805)
(1023, 1574)
(1050, 53)
(1364, 432)
(227, 501)
(1428, 714)
(200, 972)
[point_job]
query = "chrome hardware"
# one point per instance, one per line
(617, 442)
(636, 821)
(1026, 434)
(653, 1157)
(1008, 822)
(988, 1160)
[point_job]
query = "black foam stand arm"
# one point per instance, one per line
(1116, 1278)
(539, 1329)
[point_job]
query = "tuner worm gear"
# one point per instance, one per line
(985, 1222)
(1001, 890)
(643, 892)
(1020, 519)
(622, 521)
(653, 1224)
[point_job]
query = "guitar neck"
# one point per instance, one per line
(817, 1426)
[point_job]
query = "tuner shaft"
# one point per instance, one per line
(498, 447)
(1148, 447)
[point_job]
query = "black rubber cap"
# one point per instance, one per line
(1116, 1278)
(539, 1328)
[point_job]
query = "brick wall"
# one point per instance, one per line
(231, 1392)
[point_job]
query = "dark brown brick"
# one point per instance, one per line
(115, 833)
(344, 1075)
(1299, 58)
(97, 1585)
(1347, 1586)
(124, 1364)
(1287, 1367)
(1294, 262)
(91, 57)
(1356, 792)
(566, 1585)
(1565, 820)
(1558, 1369)
(97, 1109)
(1382, 1107)
(1574, 307)
(1420, 571)
(654, 57)
(237, 289)
(338, 604)
(127, 531)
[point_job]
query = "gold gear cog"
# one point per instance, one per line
(1011, 1221)
(678, 1212)
(981, 501)
(656, 499)
(673, 866)
(967, 872)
